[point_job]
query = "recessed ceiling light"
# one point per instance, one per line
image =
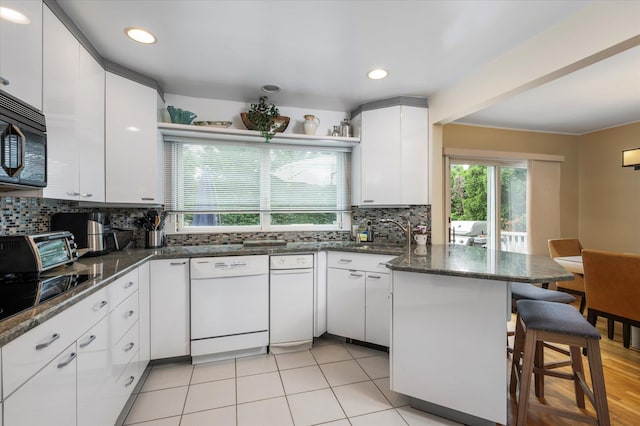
(140, 35)
(377, 74)
(13, 16)
(270, 88)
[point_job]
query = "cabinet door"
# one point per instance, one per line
(143, 319)
(345, 303)
(90, 128)
(49, 397)
(95, 377)
(377, 308)
(380, 157)
(414, 163)
(21, 52)
(132, 147)
(169, 290)
(60, 85)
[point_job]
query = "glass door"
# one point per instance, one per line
(487, 204)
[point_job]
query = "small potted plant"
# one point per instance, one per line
(265, 118)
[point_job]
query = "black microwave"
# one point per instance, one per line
(23, 144)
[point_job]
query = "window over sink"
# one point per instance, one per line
(219, 186)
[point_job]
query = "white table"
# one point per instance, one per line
(574, 264)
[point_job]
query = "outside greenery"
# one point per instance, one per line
(469, 195)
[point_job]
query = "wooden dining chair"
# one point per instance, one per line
(562, 247)
(612, 283)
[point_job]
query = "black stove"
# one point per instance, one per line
(19, 292)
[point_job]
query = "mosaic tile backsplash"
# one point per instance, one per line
(25, 215)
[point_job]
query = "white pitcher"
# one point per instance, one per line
(311, 123)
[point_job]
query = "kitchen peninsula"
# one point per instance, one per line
(449, 315)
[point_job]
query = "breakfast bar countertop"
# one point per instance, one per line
(478, 262)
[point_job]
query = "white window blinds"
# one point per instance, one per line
(238, 177)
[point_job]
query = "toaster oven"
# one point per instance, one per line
(36, 253)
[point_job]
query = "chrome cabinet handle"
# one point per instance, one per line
(129, 314)
(48, 343)
(129, 347)
(4, 81)
(88, 342)
(100, 305)
(374, 276)
(179, 263)
(355, 275)
(72, 356)
(382, 264)
(131, 379)
(86, 195)
(129, 284)
(368, 201)
(147, 198)
(346, 260)
(73, 194)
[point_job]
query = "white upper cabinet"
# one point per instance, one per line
(60, 106)
(90, 128)
(391, 164)
(73, 103)
(132, 143)
(21, 52)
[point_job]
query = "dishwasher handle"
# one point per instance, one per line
(292, 271)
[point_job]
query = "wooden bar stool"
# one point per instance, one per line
(539, 322)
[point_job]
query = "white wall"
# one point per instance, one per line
(220, 110)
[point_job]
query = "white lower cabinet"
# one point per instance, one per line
(89, 382)
(358, 303)
(169, 308)
(49, 397)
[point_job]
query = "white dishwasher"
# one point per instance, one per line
(229, 307)
(291, 303)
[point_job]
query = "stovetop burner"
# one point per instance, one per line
(21, 292)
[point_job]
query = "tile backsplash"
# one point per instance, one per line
(26, 215)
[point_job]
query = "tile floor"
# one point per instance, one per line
(332, 384)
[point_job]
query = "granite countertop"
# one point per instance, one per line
(477, 262)
(472, 262)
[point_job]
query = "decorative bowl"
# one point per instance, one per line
(180, 116)
(222, 124)
(281, 122)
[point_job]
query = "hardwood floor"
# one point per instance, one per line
(622, 380)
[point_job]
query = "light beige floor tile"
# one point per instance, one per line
(362, 352)
(330, 353)
(212, 371)
(255, 365)
(381, 418)
(268, 412)
(376, 367)
(295, 360)
(206, 396)
(157, 405)
(361, 398)
(310, 408)
(420, 418)
(225, 416)
(396, 399)
(259, 386)
(303, 379)
(169, 421)
(343, 373)
(168, 376)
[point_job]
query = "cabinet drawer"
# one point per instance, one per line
(24, 356)
(123, 317)
(125, 348)
(123, 287)
(359, 261)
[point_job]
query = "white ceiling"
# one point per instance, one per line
(319, 52)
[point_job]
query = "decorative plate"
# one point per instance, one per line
(213, 123)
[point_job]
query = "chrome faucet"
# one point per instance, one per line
(405, 228)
